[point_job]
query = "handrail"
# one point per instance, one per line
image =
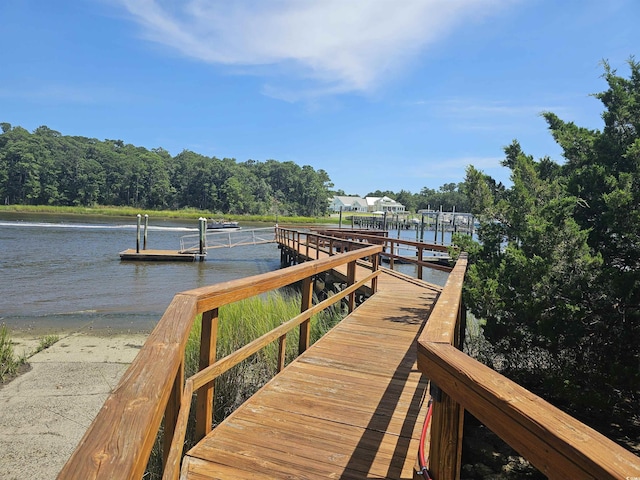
(554, 442)
(210, 373)
(118, 442)
(392, 245)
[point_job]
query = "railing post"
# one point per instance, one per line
(351, 279)
(420, 257)
(282, 352)
(171, 413)
(375, 264)
(447, 423)
(204, 398)
(392, 250)
(305, 327)
(445, 451)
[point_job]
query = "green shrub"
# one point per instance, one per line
(9, 363)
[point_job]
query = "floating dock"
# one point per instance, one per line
(161, 255)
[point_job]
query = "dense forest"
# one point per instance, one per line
(47, 168)
(556, 273)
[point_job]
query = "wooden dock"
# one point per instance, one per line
(160, 255)
(350, 407)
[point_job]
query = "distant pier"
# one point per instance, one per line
(160, 255)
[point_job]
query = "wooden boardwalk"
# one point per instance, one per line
(350, 407)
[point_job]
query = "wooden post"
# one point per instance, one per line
(340, 221)
(204, 398)
(146, 227)
(420, 257)
(201, 233)
(307, 243)
(305, 327)
(447, 424)
(171, 412)
(445, 451)
(282, 351)
(375, 262)
(138, 234)
(351, 279)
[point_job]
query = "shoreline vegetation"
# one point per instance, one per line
(185, 213)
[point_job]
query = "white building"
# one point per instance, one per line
(384, 204)
(347, 204)
(368, 204)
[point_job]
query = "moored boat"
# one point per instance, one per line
(219, 224)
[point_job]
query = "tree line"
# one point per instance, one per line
(47, 168)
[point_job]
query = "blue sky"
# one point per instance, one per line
(382, 94)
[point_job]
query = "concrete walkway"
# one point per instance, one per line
(45, 411)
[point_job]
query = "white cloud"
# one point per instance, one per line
(337, 45)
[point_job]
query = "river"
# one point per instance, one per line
(63, 272)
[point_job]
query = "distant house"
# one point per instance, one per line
(347, 204)
(368, 204)
(384, 204)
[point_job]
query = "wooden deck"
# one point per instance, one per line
(160, 255)
(350, 407)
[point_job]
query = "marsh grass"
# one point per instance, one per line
(9, 362)
(185, 213)
(46, 342)
(238, 324)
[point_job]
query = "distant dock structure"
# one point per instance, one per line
(194, 247)
(183, 255)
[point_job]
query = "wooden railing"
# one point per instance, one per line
(119, 440)
(418, 252)
(555, 443)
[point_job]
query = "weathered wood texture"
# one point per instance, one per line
(351, 406)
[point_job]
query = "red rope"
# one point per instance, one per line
(423, 437)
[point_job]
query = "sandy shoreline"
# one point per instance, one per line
(45, 411)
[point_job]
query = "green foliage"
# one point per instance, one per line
(556, 271)
(46, 341)
(47, 168)
(9, 363)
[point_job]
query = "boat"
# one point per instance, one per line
(219, 224)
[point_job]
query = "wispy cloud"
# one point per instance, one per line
(339, 46)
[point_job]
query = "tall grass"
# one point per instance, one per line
(238, 324)
(185, 213)
(9, 362)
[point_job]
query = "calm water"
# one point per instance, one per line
(64, 272)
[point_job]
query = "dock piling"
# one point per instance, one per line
(146, 227)
(138, 234)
